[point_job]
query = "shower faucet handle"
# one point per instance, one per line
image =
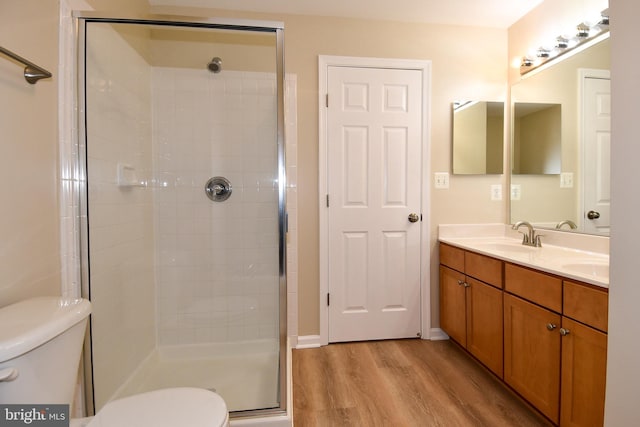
(218, 189)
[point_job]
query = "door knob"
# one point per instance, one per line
(593, 215)
(414, 217)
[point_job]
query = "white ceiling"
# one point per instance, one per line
(484, 13)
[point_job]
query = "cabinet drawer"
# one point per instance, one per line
(536, 287)
(452, 257)
(586, 305)
(484, 268)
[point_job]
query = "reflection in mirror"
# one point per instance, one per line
(478, 137)
(579, 86)
(536, 138)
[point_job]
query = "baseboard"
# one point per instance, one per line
(437, 334)
(308, 341)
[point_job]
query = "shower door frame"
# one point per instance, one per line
(80, 21)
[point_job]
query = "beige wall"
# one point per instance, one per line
(29, 175)
(468, 63)
(29, 229)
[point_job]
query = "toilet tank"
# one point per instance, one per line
(40, 346)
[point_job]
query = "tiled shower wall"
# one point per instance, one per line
(120, 213)
(217, 262)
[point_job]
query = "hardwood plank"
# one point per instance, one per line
(401, 383)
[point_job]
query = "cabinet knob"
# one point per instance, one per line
(564, 332)
(551, 326)
(463, 283)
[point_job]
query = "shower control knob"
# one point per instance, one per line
(218, 189)
(414, 217)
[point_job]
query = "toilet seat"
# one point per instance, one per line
(171, 407)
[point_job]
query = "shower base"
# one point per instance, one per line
(245, 374)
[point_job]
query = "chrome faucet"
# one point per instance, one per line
(531, 238)
(572, 225)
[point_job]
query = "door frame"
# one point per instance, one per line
(424, 66)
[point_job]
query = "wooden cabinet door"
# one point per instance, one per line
(452, 305)
(584, 365)
(484, 324)
(532, 354)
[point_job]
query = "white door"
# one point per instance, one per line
(597, 149)
(374, 128)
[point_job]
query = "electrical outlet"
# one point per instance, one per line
(441, 180)
(516, 191)
(496, 192)
(566, 180)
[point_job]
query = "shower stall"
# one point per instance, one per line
(181, 150)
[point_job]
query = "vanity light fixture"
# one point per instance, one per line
(526, 62)
(543, 53)
(584, 34)
(562, 43)
(583, 30)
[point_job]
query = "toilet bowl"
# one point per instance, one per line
(40, 346)
(192, 407)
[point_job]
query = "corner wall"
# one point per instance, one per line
(623, 375)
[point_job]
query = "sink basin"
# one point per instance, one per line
(594, 269)
(506, 247)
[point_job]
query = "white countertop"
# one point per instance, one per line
(579, 257)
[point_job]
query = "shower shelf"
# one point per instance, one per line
(127, 176)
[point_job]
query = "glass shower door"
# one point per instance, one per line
(184, 204)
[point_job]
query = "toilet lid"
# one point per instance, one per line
(169, 407)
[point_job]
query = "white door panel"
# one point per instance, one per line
(597, 151)
(374, 132)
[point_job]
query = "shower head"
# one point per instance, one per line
(215, 66)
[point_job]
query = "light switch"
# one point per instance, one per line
(441, 180)
(515, 191)
(496, 192)
(566, 180)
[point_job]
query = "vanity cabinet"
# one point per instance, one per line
(554, 355)
(584, 355)
(544, 335)
(471, 303)
(532, 354)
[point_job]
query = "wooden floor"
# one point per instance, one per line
(400, 383)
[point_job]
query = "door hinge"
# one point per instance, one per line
(328, 299)
(326, 100)
(327, 200)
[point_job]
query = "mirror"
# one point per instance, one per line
(478, 137)
(536, 138)
(572, 188)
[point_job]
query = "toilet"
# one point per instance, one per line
(40, 346)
